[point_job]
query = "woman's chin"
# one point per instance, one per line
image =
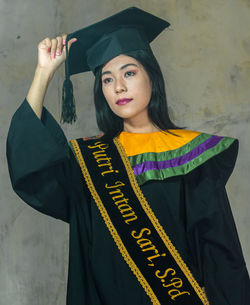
(125, 115)
(130, 113)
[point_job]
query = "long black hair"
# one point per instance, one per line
(111, 124)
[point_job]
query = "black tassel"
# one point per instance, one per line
(68, 103)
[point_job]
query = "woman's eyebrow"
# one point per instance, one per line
(122, 67)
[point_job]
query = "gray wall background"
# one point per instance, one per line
(206, 62)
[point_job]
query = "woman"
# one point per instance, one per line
(159, 232)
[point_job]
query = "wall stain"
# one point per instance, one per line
(235, 74)
(239, 76)
(6, 228)
(34, 240)
(207, 112)
(4, 53)
(246, 45)
(247, 2)
(223, 121)
(171, 113)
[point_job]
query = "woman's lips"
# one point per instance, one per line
(123, 101)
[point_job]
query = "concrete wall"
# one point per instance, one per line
(206, 62)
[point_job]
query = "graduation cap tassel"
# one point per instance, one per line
(68, 114)
(68, 103)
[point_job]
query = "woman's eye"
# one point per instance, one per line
(130, 73)
(107, 80)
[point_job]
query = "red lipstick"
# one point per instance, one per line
(123, 101)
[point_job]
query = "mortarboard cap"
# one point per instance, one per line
(129, 30)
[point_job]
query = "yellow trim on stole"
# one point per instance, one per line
(138, 143)
(111, 227)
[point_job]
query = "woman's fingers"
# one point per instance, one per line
(56, 46)
(45, 44)
(59, 45)
(53, 47)
(52, 52)
(71, 41)
(48, 43)
(64, 36)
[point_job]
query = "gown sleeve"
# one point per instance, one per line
(40, 162)
(225, 275)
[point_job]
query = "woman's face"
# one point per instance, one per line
(127, 88)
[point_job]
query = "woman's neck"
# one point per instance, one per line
(135, 127)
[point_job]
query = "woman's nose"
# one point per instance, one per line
(120, 86)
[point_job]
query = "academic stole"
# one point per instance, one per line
(140, 238)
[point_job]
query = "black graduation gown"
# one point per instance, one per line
(192, 208)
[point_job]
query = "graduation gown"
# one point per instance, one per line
(191, 205)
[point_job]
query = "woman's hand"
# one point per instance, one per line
(52, 52)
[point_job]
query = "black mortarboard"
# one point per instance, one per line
(129, 30)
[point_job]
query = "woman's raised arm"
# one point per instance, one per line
(51, 54)
(41, 164)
